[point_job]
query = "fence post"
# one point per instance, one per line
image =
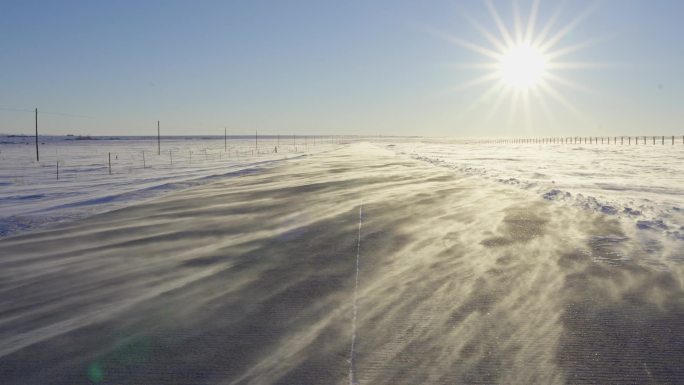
(37, 154)
(109, 154)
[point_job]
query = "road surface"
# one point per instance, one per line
(358, 266)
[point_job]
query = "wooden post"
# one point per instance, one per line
(158, 139)
(256, 140)
(225, 139)
(654, 140)
(673, 140)
(37, 152)
(109, 154)
(58, 170)
(144, 165)
(171, 157)
(663, 142)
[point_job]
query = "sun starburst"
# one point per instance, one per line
(524, 62)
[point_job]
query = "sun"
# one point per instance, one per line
(522, 66)
(524, 63)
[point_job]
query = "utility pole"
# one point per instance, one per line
(37, 154)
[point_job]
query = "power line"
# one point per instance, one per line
(15, 109)
(68, 115)
(48, 113)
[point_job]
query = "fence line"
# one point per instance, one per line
(81, 162)
(590, 140)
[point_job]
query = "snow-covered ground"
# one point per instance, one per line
(355, 265)
(640, 184)
(32, 197)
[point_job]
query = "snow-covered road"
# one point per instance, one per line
(252, 280)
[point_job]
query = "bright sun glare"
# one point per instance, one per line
(525, 62)
(522, 66)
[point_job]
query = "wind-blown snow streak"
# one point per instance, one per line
(31, 197)
(352, 379)
(247, 280)
(639, 184)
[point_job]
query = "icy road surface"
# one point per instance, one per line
(352, 266)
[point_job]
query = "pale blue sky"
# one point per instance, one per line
(321, 67)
